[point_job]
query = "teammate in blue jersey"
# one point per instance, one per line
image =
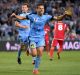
(23, 28)
(37, 41)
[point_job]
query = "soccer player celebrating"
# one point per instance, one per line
(37, 41)
(59, 33)
(23, 28)
(47, 35)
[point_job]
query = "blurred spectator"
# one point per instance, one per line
(7, 27)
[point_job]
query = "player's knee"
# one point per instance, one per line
(52, 48)
(40, 53)
(61, 47)
(34, 55)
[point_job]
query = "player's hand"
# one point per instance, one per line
(68, 13)
(58, 17)
(55, 17)
(13, 15)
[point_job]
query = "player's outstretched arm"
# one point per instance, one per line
(59, 17)
(17, 16)
(62, 16)
(17, 24)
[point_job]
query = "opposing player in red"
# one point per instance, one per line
(59, 33)
(47, 37)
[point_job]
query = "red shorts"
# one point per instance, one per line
(55, 42)
(47, 41)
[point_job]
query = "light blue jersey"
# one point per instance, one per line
(37, 24)
(24, 32)
(37, 29)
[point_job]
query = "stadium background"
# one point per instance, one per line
(53, 7)
(69, 64)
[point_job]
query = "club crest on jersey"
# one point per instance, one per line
(35, 19)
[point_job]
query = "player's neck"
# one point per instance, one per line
(39, 14)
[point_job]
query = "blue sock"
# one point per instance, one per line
(39, 59)
(33, 58)
(37, 62)
(19, 53)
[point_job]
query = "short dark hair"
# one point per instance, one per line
(40, 4)
(26, 4)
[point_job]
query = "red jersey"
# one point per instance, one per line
(59, 30)
(47, 30)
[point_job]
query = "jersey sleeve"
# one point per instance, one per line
(30, 17)
(48, 17)
(18, 20)
(23, 15)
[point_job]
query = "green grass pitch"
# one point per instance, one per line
(69, 64)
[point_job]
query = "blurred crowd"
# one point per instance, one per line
(53, 7)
